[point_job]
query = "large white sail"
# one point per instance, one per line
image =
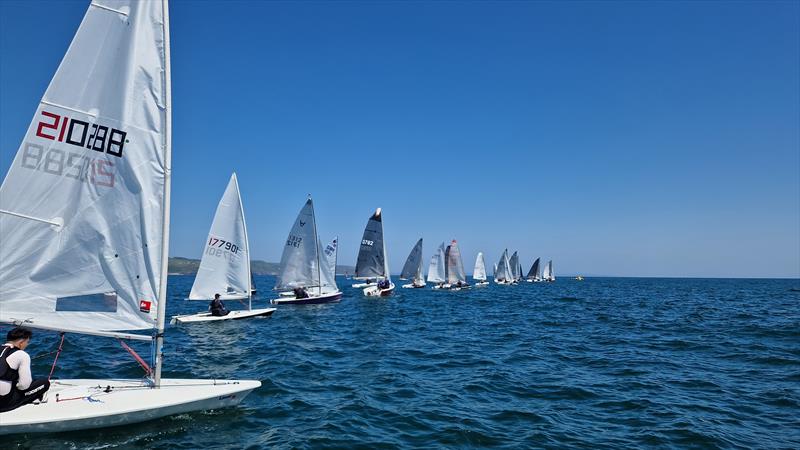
(436, 271)
(479, 274)
(503, 269)
(84, 203)
(299, 262)
(225, 265)
(547, 268)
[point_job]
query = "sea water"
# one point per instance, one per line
(602, 363)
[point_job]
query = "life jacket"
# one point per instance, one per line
(6, 372)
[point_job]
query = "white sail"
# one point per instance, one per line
(225, 265)
(503, 269)
(479, 274)
(436, 270)
(454, 266)
(546, 273)
(513, 262)
(84, 204)
(329, 264)
(299, 262)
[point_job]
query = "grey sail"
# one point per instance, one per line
(413, 263)
(300, 260)
(502, 271)
(514, 263)
(436, 268)
(453, 264)
(534, 272)
(371, 262)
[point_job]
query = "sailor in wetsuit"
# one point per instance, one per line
(217, 307)
(384, 284)
(17, 386)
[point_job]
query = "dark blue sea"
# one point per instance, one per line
(603, 363)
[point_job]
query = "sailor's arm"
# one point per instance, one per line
(23, 366)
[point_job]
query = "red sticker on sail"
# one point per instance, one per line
(144, 306)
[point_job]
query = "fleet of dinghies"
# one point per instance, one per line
(92, 238)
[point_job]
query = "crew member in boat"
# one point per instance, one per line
(17, 386)
(384, 284)
(217, 307)
(300, 292)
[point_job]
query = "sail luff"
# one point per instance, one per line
(162, 293)
(246, 246)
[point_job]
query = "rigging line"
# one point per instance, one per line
(58, 353)
(136, 356)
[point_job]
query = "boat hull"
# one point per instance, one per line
(413, 286)
(318, 300)
(87, 404)
(374, 291)
(233, 315)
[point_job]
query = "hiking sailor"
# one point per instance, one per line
(17, 386)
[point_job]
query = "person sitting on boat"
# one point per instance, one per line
(300, 292)
(217, 307)
(17, 386)
(384, 284)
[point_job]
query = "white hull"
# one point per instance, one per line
(363, 285)
(373, 291)
(85, 404)
(233, 315)
(413, 286)
(310, 300)
(224, 297)
(481, 283)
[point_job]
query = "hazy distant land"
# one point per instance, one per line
(187, 266)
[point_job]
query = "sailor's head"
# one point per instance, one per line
(20, 337)
(216, 296)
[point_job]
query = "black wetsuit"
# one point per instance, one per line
(18, 397)
(218, 308)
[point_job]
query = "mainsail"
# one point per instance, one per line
(300, 262)
(514, 263)
(331, 254)
(225, 265)
(503, 270)
(413, 264)
(455, 267)
(372, 262)
(436, 269)
(534, 273)
(479, 274)
(84, 207)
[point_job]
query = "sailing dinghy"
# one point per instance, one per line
(86, 205)
(372, 263)
(549, 275)
(479, 274)
(535, 274)
(502, 272)
(436, 270)
(516, 272)
(225, 265)
(305, 269)
(455, 277)
(412, 269)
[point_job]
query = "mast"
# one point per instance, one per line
(246, 247)
(316, 246)
(162, 288)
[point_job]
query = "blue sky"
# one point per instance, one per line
(629, 138)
